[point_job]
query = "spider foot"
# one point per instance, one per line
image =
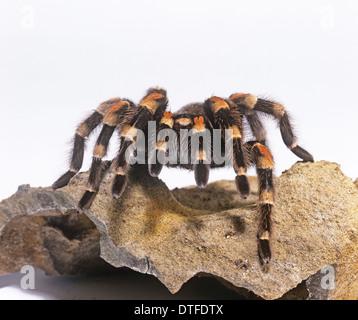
(302, 153)
(242, 186)
(155, 169)
(119, 185)
(63, 180)
(86, 201)
(201, 171)
(264, 251)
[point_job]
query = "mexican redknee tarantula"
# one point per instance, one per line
(213, 115)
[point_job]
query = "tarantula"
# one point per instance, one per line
(195, 120)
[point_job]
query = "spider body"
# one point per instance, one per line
(197, 137)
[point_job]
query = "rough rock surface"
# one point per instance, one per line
(175, 235)
(41, 228)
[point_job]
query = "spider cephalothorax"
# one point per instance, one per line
(197, 137)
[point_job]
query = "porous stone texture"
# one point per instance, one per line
(41, 228)
(176, 235)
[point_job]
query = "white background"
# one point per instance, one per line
(60, 59)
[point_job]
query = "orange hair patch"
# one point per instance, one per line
(151, 101)
(167, 114)
(111, 118)
(199, 120)
(118, 105)
(216, 99)
(152, 96)
(264, 152)
(238, 95)
(199, 124)
(219, 103)
(113, 99)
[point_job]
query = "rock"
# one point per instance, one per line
(41, 228)
(176, 235)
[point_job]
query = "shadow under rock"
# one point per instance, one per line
(122, 284)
